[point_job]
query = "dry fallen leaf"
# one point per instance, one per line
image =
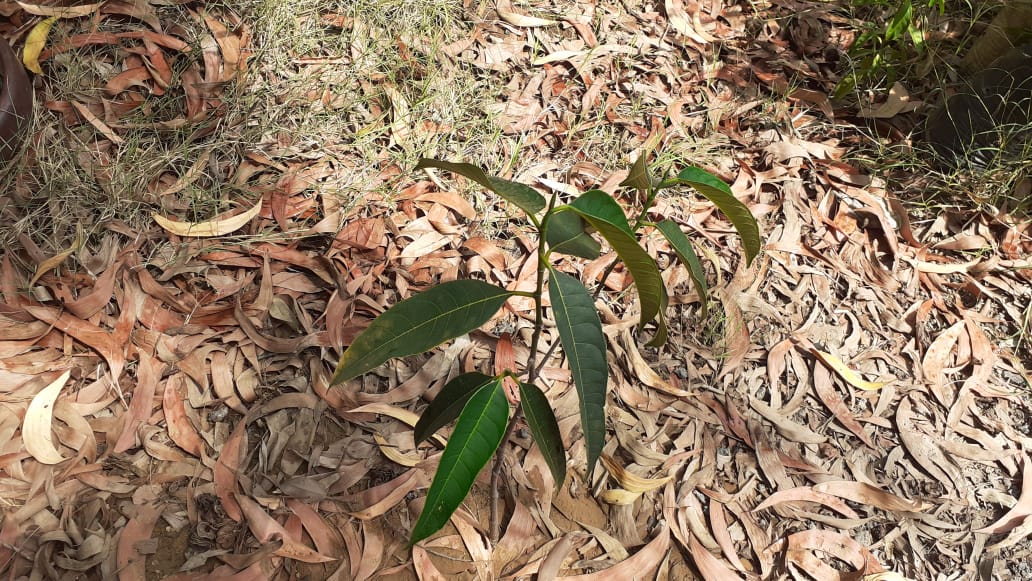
(1020, 511)
(505, 10)
(34, 44)
(56, 260)
(37, 428)
(219, 227)
(632, 482)
(60, 11)
(851, 377)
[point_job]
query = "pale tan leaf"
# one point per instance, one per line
(629, 481)
(60, 11)
(37, 428)
(870, 495)
(1020, 511)
(639, 566)
(219, 227)
(508, 14)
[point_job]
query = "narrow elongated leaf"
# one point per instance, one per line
(585, 346)
(720, 194)
(686, 254)
(420, 323)
(524, 196)
(545, 430)
(477, 435)
(448, 403)
(601, 211)
(565, 233)
(639, 178)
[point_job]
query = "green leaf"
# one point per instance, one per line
(720, 194)
(420, 323)
(527, 198)
(639, 178)
(477, 435)
(448, 403)
(605, 215)
(565, 233)
(686, 254)
(601, 206)
(580, 332)
(545, 430)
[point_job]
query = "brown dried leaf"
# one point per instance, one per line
(870, 495)
(1020, 511)
(266, 529)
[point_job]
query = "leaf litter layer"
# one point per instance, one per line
(857, 401)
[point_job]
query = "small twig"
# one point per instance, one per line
(496, 476)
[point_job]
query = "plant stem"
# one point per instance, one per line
(532, 375)
(649, 200)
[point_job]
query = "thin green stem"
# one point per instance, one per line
(532, 374)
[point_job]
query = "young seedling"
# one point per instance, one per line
(476, 402)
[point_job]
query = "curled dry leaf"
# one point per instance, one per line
(180, 430)
(870, 495)
(1020, 511)
(131, 562)
(218, 227)
(393, 454)
(619, 496)
(34, 44)
(808, 494)
(37, 428)
(60, 11)
(266, 529)
(632, 482)
(56, 260)
(851, 377)
(712, 568)
(505, 10)
(638, 566)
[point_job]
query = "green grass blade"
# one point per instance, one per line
(448, 404)
(420, 323)
(720, 194)
(527, 198)
(565, 233)
(580, 332)
(477, 435)
(545, 430)
(605, 215)
(686, 254)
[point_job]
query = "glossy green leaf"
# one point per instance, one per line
(448, 404)
(639, 178)
(720, 194)
(420, 323)
(527, 198)
(601, 211)
(599, 205)
(686, 254)
(580, 332)
(545, 430)
(565, 233)
(477, 435)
